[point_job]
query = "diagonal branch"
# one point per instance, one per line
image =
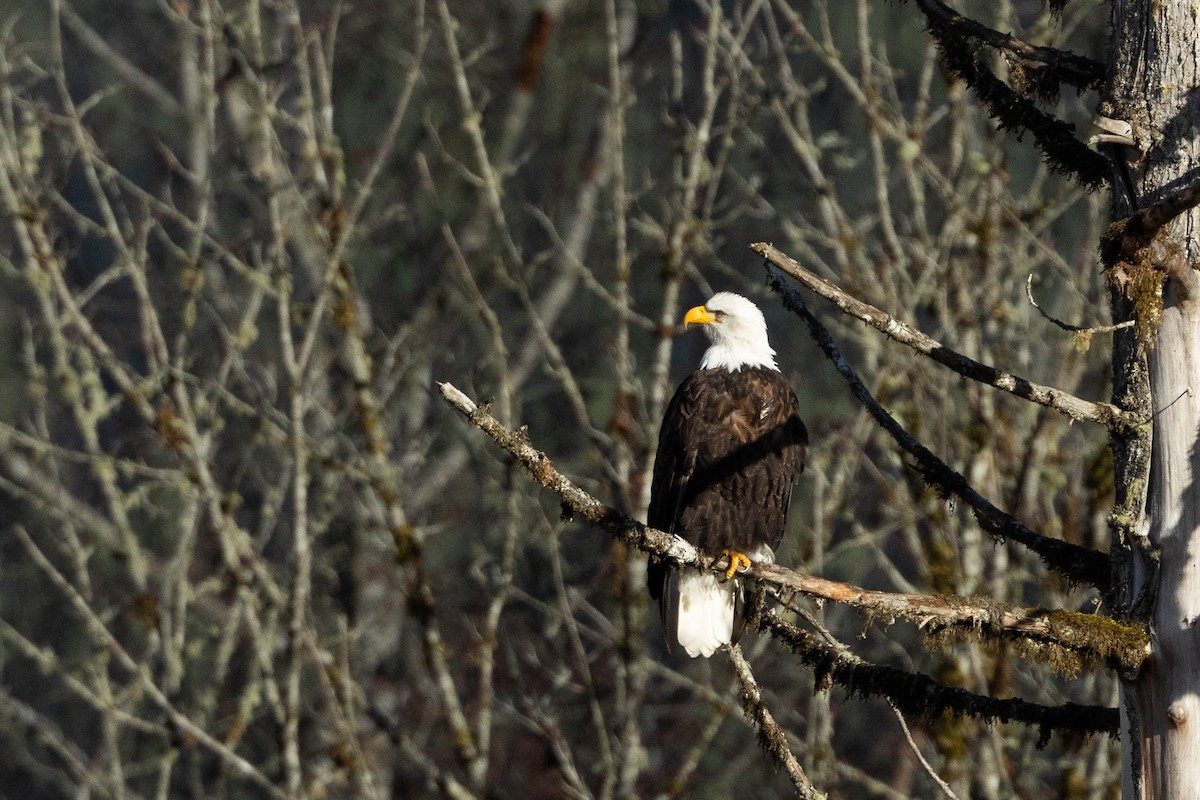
(1074, 407)
(1075, 563)
(574, 500)
(1078, 636)
(771, 737)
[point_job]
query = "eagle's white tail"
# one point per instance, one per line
(706, 607)
(705, 613)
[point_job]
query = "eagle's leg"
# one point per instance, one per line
(738, 561)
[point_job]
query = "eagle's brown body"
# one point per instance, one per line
(730, 449)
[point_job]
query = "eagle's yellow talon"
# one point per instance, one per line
(737, 562)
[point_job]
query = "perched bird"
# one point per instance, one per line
(730, 449)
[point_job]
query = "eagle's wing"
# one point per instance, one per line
(793, 449)
(674, 465)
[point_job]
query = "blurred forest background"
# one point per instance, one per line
(246, 549)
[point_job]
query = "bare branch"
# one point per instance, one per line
(941, 784)
(575, 500)
(1074, 407)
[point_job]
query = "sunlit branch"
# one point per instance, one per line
(1079, 635)
(1074, 407)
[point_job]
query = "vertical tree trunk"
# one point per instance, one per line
(1166, 690)
(1155, 66)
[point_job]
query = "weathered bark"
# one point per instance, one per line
(1155, 69)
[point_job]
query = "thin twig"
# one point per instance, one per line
(945, 787)
(1066, 326)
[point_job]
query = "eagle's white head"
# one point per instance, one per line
(737, 330)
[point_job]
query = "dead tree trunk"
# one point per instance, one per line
(1155, 69)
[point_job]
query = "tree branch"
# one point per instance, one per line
(1070, 635)
(1013, 110)
(1074, 407)
(1083, 636)
(945, 787)
(1077, 70)
(1075, 563)
(575, 500)
(1142, 227)
(914, 693)
(771, 737)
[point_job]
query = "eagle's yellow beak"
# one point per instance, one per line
(698, 316)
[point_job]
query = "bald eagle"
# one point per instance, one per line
(730, 449)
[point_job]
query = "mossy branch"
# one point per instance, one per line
(1081, 636)
(914, 693)
(1064, 640)
(1059, 65)
(1013, 110)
